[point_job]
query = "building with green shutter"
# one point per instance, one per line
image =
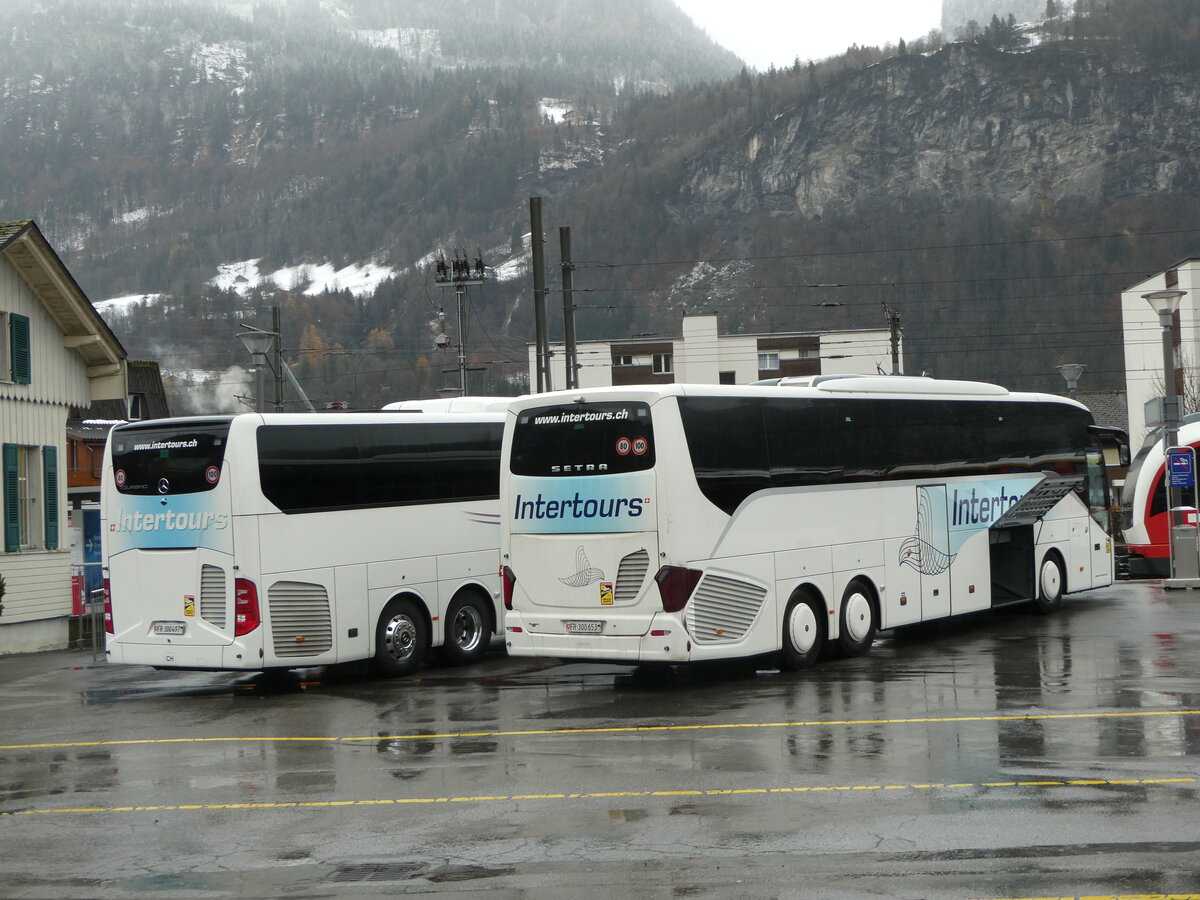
(55, 353)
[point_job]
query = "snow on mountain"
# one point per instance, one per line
(119, 305)
(243, 278)
(410, 43)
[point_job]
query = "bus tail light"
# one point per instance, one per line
(108, 622)
(510, 581)
(245, 606)
(675, 585)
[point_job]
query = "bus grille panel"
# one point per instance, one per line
(723, 609)
(212, 595)
(300, 621)
(631, 573)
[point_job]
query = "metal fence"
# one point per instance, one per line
(88, 630)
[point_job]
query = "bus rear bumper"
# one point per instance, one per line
(227, 658)
(673, 647)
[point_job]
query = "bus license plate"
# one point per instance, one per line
(577, 627)
(168, 627)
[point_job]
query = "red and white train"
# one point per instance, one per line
(1144, 504)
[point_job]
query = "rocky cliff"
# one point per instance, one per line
(1052, 129)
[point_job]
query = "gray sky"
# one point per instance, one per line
(766, 32)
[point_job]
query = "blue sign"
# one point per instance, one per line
(1181, 468)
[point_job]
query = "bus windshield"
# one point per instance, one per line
(172, 460)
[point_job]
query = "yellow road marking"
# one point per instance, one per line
(1109, 897)
(601, 795)
(613, 729)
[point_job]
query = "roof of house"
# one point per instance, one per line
(1108, 407)
(26, 248)
(145, 378)
(95, 421)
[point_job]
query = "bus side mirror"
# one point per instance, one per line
(1123, 453)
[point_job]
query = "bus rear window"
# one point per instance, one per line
(606, 438)
(174, 460)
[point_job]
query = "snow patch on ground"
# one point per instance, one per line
(554, 110)
(227, 63)
(511, 270)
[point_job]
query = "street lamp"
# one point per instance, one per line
(261, 343)
(1166, 303)
(1071, 372)
(263, 346)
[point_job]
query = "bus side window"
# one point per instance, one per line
(728, 446)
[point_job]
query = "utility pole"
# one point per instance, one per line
(460, 274)
(277, 371)
(541, 334)
(571, 360)
(893, 321)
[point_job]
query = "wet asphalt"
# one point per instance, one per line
(1001, 755)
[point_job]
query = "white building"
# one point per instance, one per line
(702, 356)
(55, 353)
(1143, 343)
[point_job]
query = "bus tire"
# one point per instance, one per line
(858, 619)
(803, 632)
(1050, 584)
(468, 629)
(401, 639)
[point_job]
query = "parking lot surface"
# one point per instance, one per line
(1001, 755)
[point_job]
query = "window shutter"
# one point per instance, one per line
(12, 502)
(50, 475)
(19, 333)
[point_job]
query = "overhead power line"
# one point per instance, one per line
(599, 264)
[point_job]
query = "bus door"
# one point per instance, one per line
(918, 578)
(933, 541)
(1100, 521)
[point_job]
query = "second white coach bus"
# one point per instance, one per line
(697, 522)
(286, 540)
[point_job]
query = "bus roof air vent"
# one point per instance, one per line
(910, 384)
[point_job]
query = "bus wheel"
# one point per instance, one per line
(468, 629)
(859, 619)
(400, 639)
(1049, 586)
(803, 632)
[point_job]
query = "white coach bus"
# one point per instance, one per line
(697, 522)
(265, 541)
